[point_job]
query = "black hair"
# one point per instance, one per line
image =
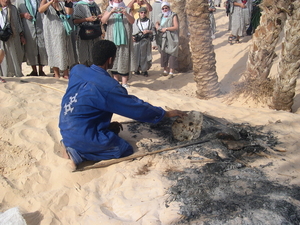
(102, 51)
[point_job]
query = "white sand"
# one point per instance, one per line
(35, 179)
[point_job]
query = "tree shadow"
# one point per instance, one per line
(296, 104)
(234, 74)
(33, 218)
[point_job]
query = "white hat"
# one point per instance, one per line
(165, 4)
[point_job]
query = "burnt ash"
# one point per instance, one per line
(228, 190)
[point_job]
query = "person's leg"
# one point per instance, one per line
(66, 74)
(124, 80)
(173, 62)
(116, 75)
(56, 72)
(2, 54)
(34, 71)
(164, 62)
(41, 72)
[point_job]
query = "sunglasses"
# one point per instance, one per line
(142, 12)
(165, 8)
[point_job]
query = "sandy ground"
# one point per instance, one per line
(38, 181)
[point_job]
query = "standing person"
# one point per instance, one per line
(156, 10)
(57, 34)
(135, 5)
(35, 51)
(212, 10)
(240, 18)
(12, 39)
(168, 43)
(119, 22)
(91, 99)
(143, 30)
(87, 15)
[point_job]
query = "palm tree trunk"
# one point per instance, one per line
(261, 52)
(184, 55)
(203, 55)
(289, 64)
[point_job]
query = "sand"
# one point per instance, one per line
(39, 182)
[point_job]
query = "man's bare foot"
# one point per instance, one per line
(64, 154)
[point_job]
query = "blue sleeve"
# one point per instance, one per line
(119, 102)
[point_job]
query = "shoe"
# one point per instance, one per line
(41, 73)
(125, 86)
(165, 73)
(145, 74)
(33, 74)
(2, 80)
(137, 73)
(213, 36)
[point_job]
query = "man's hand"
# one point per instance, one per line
(173, 113)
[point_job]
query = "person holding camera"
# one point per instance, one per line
(143, 30)
(167, 39)
(119, 22)
(57, 35)
(11, 40)
(87, 15)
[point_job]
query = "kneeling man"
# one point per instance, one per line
(91, 99)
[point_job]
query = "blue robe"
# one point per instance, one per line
(87, 107)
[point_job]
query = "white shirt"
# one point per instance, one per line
(3, 16)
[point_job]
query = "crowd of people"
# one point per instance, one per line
(243, 18)
(60, 34)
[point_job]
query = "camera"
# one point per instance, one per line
(118, 10)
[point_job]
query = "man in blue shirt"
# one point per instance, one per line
(88, 105)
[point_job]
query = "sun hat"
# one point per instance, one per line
(165, 4)
(143, 9)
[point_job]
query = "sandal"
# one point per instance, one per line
(2, 80)
(230, 39)
(66, 77)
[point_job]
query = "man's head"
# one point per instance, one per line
(140, 2)
(142, 12)
(104, 51)
(5, 3)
